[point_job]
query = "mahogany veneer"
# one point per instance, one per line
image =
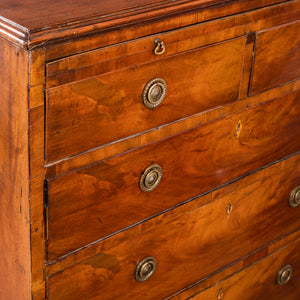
(106, 193)
(111, 103)
(211, 155)
(244, 284)
(215, 238)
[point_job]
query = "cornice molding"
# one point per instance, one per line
(32, 38)
(13, 32)
(37, 37)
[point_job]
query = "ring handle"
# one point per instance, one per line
(284, 275)
(159, 47)
(294, 199)
(151, 178)
(154, 93)
(145, 269)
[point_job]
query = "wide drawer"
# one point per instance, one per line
(277, 57)
(260, 281)
(96, 201)
(191, 245)
(99, 110)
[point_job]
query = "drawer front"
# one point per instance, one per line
(259, 281)
(98, 200)
(277, 57)
(190, 247)
(109, 107)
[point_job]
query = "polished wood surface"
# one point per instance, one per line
(73, 163)
(236, 267)
(170, 215)
(15, 260)
(36, 14)
(231, 145)
(37, 170)
(217, 153)
(215, 24)
(112, 104)
(134, 52)
(244, 285)
(140, 52)
(34, 23)
(187, 249)
(277, 57)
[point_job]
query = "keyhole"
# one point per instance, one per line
(238, 129)
(229, 209)
(220, 294)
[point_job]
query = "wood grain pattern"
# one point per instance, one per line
(258, 214)
(277, 57)
(37, 171)
(32, 23)
(139, 51)
(35, 15)
(126, 55)
(36, 193)
(208, 32)
(51, 32)
(244, 285)
(100, 110)
(170, 215)
(67, 165)
(247, 64)
(217, 153)
(236, 267)
(15, 261)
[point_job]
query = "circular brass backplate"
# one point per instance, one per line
(295, 197)
(145, 269)
(151, 178)
(284, 275)
(154, 93)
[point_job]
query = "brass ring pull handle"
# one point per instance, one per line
(145, 269)
(154, 93)
(295, 197)
(151, 178)
(159, 47)
(284, 275)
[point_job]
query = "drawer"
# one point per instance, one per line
(259, 281)
(93, 202)
(277, 57)
(99, 110)
(191, 245)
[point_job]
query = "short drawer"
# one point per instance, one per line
(277, 57)
(96, 111)
(190, 246)
(93, 202)
(262, 280)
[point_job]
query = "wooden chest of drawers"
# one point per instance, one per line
(150, 149)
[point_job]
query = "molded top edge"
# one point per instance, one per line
(30, 22)
(34, 23)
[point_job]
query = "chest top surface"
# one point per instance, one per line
(36, 22)
(38, 15)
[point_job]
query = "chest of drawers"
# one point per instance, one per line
(150, 149)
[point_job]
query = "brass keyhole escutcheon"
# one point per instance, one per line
(229, 209)
(151, 177)
(154, 93)
(220, 294)
(145, 269)
(284, 275)
(295, 197)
